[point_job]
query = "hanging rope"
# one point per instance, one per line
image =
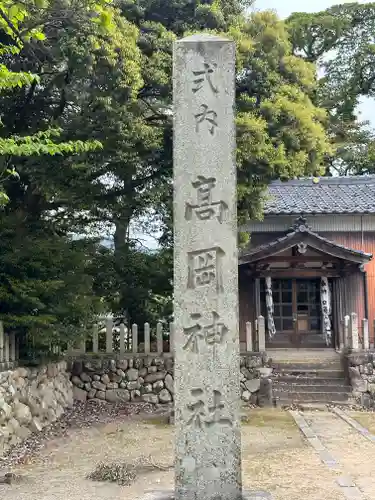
(269, 305)
(325, 300)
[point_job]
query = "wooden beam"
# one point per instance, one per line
(300, 273)
(301, 258)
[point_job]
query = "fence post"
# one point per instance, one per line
(159, 338)
(122, 338)
(147, 341)
(354, 336)
(109, 335)
(82, 349)
(13, 347)
(346, 330)
(95, 338)
(261, 334)
(135, 338)
(1, 342)
(249, 337)
(366, 340)
(6, 348)
(171, 338)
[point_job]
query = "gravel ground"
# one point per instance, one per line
(81, 416)
(55, 464)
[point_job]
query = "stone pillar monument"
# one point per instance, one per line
(207, 385)
(207, 364)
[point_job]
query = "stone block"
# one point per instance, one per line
(35, 425)
(153, 377)
(22, 413)
(253, 385)
(131, 386)
(23, 432)
(77, 382)
(169, 383)
(359, 358)
(265, 371)
(165, 396)
(79, 394)
(99, 386)
(21, 372)
(77, 368)
(118, 396)
(115, 377)
(122, 364)
(146, 388)
(105, 379)
(100, 395)
(5, 411)
(158, 386)
(135, 395)
(85, 377)
(132, 375)
(265, 394)
(246, 373)
(150, 398)
(91, 394)
(246, 395)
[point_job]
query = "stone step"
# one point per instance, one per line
(311, 397)
(306, 365)
(331, 388)
(312, 373)
(314, 405)
(301, 379)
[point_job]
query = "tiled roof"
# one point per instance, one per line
(299, 233)
(324, 195)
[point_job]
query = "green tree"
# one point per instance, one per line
(45, 288)
(15, 37)
(116, 89)
(341, 41)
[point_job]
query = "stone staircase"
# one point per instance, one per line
(309, 377)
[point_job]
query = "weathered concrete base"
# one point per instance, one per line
(169, 495)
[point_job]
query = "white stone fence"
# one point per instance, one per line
(111, 338)
(8, 349)
(121, 339)
(351, 338)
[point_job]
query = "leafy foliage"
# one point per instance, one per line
(341, 40)
(102, 75)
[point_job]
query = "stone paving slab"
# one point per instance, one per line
(347, 485)
(353, 423)
(169, 495)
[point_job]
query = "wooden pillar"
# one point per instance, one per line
(339, 313)
(257, 298)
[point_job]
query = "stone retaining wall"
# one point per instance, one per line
(30, 399)
(150, 378)
(361, 374)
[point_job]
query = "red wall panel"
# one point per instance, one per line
(366, 243)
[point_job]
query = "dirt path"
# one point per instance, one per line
(276, 458)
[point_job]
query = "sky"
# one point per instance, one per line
(285, 7)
